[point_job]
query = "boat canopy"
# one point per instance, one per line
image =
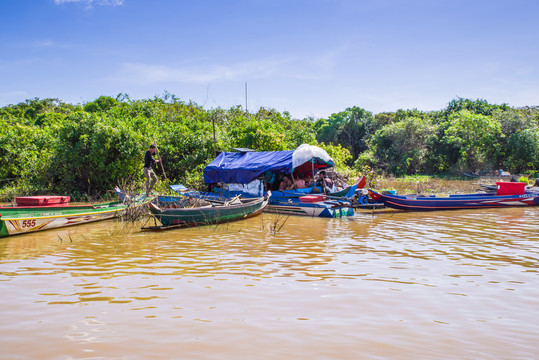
(244, 167)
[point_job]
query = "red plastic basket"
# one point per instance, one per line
(510, 188)
(312, 198)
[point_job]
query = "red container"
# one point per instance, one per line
(42, 200)
(510, 188)
(312, 198)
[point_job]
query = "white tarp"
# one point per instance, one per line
(255, 188)
(305, 153)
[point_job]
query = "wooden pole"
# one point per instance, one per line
(159, 157)
(214, 139)
(313, 182)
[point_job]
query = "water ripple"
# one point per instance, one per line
(382, 284)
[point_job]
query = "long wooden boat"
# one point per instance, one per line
(176, 211)
(310, 205)
(287, 202)
(451, 202)
(16, 220)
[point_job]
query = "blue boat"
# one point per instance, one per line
(310, 205)
(501, 198)
(347, 194)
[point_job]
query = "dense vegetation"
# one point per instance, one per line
(48, 146)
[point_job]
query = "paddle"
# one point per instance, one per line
(159, 157)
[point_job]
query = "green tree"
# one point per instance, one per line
(102, 103)
(476, 139)
(517, 119)
(350, 128)
(25, 154)
(523, 150)
(95, 153)
(479, 106)
(402, 147)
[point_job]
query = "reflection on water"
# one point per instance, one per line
(459, 284)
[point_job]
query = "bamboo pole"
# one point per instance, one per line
(159, 157)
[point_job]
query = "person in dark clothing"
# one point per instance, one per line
(286, 183)
(277, 182)
(325, 182)
(149, 160)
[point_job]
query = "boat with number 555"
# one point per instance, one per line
(31, 214)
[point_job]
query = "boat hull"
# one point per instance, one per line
(328, 209)
(454, 202)
(206, 215)
(288, 202)
(350, 191)
(32, 224)
(23, 220)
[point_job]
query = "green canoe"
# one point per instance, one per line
(25, 219)
(177, 213)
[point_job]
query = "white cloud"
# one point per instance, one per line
(314, 67)
(90, 3)
(45, 43)
(150, 74)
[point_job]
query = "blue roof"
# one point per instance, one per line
(244, 167)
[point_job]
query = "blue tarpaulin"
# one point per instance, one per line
(244, 167)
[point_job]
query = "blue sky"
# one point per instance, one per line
(307, 57)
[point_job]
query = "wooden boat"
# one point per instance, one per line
(287, 202)
(180, 211)
(310, 205)
(348, 194)
(16, 219)
(506, 195)
(350, 191)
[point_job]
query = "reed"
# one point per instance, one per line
(274, 224)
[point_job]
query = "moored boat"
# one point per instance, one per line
(310, 205)
(16, 219)
(507, 194)
(180, 211)
(246, 173)
(288, 202)
(349, 192)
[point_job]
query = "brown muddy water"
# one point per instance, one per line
(390, 285)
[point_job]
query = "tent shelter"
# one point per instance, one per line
(244, 167)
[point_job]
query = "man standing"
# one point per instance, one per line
(151, 178)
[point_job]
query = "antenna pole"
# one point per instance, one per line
(214, 140)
